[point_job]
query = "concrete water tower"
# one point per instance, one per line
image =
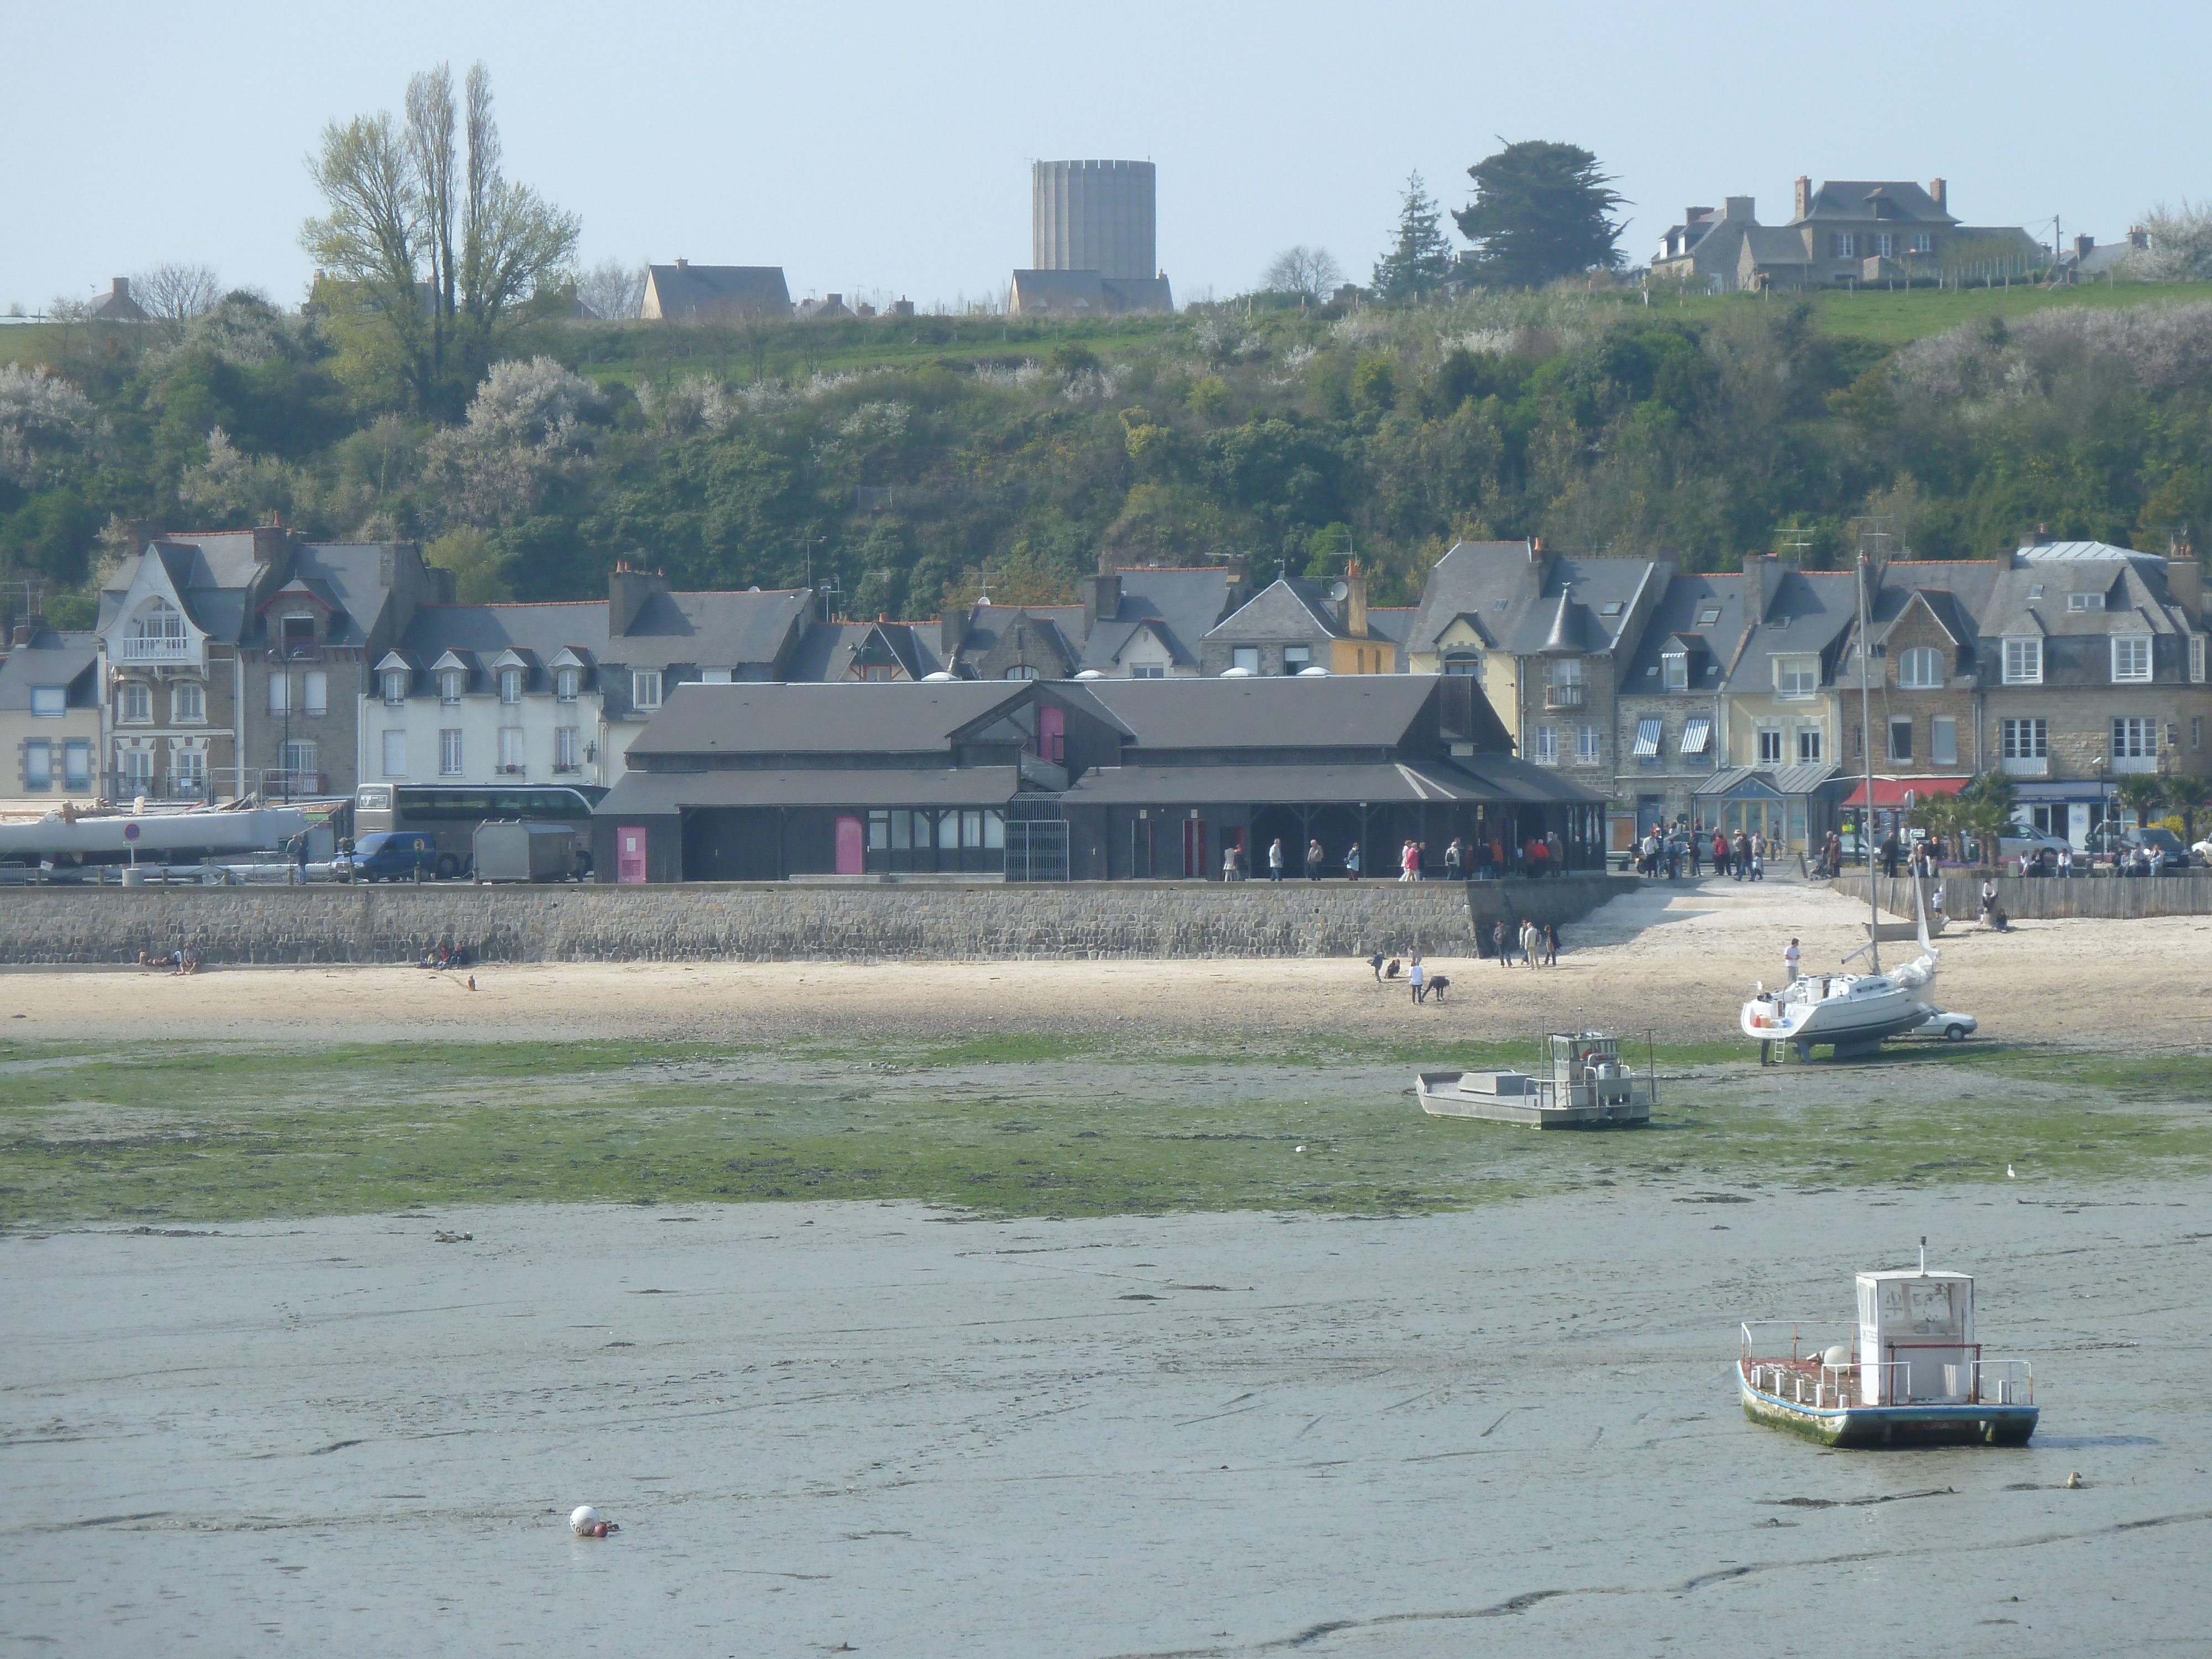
(1095, 215)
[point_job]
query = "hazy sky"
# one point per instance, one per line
(874, 149)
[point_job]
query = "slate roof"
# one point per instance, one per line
(830, 786)
(1855, 199)
(1035, 291)
(1269, 712)
(688, 290)
(54, 657)
(1492, 583)
(1676, 614)
(1771, 245)
(1185, 602)
(1375, 781)
(1810, 616)
(752, 718)
(1290, 607)
(2029, 597)
(725, 629)
(352, 575)
(827, 650)
(1800, 779)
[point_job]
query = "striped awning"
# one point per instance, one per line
(1647, 730)
(1696, 733)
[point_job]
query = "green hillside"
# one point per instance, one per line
(906, 456)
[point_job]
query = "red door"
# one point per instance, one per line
(852, 858)
(629, 853)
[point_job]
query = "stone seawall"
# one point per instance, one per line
(2046, 898)
(778, 920)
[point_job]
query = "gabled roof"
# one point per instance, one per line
(1772, 245)
(1677, 616)
(752, 718)
(2031, 597)
(1866, 199)
(1289, 607)
(827, 650)
(725, 629)
(1274, 712)
(1810, 615)
(689, 290)
(1185, 603)
(54, 657)
(1525, 601)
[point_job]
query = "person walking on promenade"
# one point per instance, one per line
(1351, 862)
(1229, 862)
(1417, 979)
(1529, 942)
(1551, 945)
(1453, 860)
(1790, 957)
(1409, 862)
(1312, 861)
(1498, 945)
(1720, 853)
(1275, 859)
(1739, 856)
(1696, 846)
(1890, 853)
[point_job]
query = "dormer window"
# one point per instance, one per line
(2023, 662)
(451, 681)
(565, 684)
(1676, 665)
(1797, 676)
(156, 634)
(510, 685)
(298, 630)
(645, 688)
(2130, 658)
(395, 686)
(1921, 669)
(2085, 601)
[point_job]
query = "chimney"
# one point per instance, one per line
(122, 287)
(1690, 218)
(1805, 197)
(1102, 598)
(1938, 193)
(2084, 247)
(29, 624)
(1741, 210)
(269, 542)
(627, 589)
(1355, 600)
(682, 264)
(2138, 238)
(1762, 577)
(953, 633)
(2185, 579)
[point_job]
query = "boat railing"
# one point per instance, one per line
(1799, 1339)
(2004, 1382)
(1892, 1382)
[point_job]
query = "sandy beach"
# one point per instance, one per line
(1679, 959)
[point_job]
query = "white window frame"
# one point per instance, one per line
(189, 770)
(2131, 659)
(280, 689)
(566, 748)
(1924, 242)
(1940, 753)
(38, 765)
(1810, 743)
(314, 692)
(395, 754)
(2027, 737)
(2196, 659)
(1246, 657)
(1675, 670)
(1547, 745)
(1589, 747)
(134, 704)
(1148, 671)
(566, 683)
(1296, 657)
(76, 764)
(1921, 669)
(1883, 244)
(49, 702)
(188, 703)
(645, 688)
(450, 753)
(2085, 601)
(1842, 244)
(395, 688)
(2023, 660)
(138, 770)
(1766, 742)
(1796, 676)
(451, 682)
(2135, 737)
(512, 749)
(510, 686)
(294, 751)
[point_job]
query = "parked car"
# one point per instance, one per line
(2155, 838)
(2201, 851)
(388, 855)
(2021, 841)
(1952, 1028)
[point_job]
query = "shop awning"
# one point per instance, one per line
(1647, 730)
(1697, 732)
(1892, 791)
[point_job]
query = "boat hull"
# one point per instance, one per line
(1876, 1427)
(1440, 1096)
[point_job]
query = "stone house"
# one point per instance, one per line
(1293, 624)
(1706, 251)
(1846, 231)
(49, 713)
(1667, 719)
(1781, 721)
(233, 662)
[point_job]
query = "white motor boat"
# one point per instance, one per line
(1853, 1011)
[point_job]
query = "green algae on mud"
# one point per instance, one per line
(1044, 1127)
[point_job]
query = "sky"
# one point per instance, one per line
(883, 150)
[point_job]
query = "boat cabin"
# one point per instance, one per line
(1916, 1338)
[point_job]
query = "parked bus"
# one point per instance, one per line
(451, 812)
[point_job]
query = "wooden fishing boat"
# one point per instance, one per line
(1583, 1083)
(1908, 1373)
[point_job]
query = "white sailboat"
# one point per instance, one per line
(1853, 1011)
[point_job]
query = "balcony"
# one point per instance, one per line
(2025, 766)
(158, 647)
(1566, 694)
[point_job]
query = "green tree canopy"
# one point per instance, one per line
(1421, 261)
(1541, 210)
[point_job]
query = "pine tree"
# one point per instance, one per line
(1540, 211)
(1422, 262)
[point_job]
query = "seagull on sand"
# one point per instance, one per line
(2008, 1174)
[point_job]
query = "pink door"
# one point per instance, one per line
(629, 855)
(852, 860)
(1051, 735)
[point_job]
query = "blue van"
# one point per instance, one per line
(390, 855)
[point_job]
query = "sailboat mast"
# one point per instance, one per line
(1866, 747)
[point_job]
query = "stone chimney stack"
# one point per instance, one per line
(1804, 197)
(2185, 579)
(26, 629)
(1355, 600)
(1741, 210)
(1101, 598)
(627, 589)
(953, 633)
(1939, 190)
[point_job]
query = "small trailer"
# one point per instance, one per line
(520, 851)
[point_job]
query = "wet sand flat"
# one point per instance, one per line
(1505, 1430)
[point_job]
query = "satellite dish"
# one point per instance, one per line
(1337, 590)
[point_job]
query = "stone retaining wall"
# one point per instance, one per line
(779, 921)
(2046, 898)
